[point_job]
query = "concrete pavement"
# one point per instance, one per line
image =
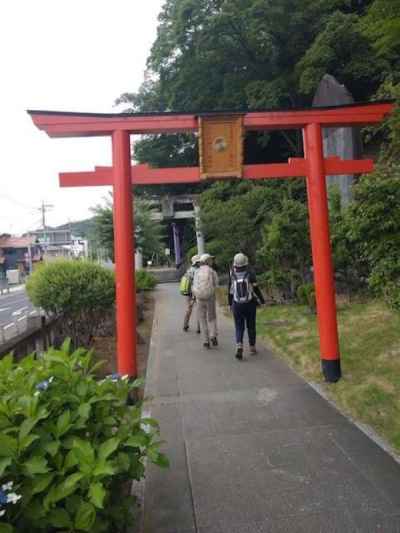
(253, 448)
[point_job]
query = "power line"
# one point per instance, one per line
(17, 202)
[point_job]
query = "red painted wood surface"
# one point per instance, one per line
(90, 124)
(321, 245)
(145, 175)
(124, 255)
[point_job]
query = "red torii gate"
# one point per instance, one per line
(122, 175)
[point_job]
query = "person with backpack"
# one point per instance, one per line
(186, 290)
(204, 284)
(244, 295)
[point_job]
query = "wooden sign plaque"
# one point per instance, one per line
(221, 146)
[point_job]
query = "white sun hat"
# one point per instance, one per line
(240, 260)
(205, 257)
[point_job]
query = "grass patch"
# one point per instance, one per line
(370, 349)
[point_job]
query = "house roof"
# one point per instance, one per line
(16, 242)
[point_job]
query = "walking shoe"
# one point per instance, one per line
(214, 341)
(239, 354)
(185, 328)
(206, 345)
(253, 350)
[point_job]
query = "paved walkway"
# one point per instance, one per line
(253, 448)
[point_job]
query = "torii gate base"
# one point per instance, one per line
(121, 176)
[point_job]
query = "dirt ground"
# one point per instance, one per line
(105, 347)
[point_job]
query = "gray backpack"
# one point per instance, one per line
(241, 287)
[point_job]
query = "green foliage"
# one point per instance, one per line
(382, 27)
(233, 214)
(103, 230)
(245, 42)
(375, 215)
(390, 148)
(285, 251)
(145, 281)
(306, 296)
(70, 444)
(81, 291)
(341, 50)
(148, 232)
(351, 271)
(365, 236)
(178, 150)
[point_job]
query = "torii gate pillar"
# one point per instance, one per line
(322, 254)
(124, 254)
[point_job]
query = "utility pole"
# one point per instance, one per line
(30, 255)
(44, 207)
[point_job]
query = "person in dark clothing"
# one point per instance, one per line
(244, 295)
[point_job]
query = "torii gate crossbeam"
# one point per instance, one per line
(121, 176)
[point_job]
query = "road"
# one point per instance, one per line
(13, 306)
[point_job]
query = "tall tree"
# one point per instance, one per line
(382, 26)
(241, 54)
(342, 50)
(148, 232)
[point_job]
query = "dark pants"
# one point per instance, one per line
(245, 316)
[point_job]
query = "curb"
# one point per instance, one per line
(9, 290)
(139, 487)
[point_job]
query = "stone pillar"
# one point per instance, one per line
(197, 223)
(341, 142)
(138, 260)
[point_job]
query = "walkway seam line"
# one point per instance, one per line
(196, 529)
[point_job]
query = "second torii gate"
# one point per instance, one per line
(122, 175)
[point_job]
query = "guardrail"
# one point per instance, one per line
(35, 335)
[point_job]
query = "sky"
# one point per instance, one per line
(63, 55)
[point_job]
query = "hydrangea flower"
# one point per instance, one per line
(117, 377)
(13, 498)
(114, 378)
(3, 497)
(7, 497)
(44, 385)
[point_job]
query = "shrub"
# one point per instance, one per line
(285, 252)
(392, 295)
(69, 445)
(145, 281)
(82, 291)
(373, 225)
(306, 295)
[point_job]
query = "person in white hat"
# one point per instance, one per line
(191, 299)
(243, 296)
(204, 284)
